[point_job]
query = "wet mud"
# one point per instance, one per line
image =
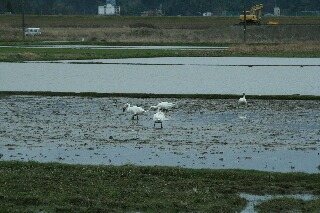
(268, 135)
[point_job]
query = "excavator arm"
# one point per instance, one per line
(259, 9)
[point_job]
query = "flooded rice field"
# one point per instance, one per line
(214, 75)
(266, 135)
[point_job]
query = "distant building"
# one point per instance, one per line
(276, 11)
(110, 9)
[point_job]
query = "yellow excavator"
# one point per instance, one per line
(251, 16)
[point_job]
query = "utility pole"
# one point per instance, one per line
(245, 20)
(23, 23)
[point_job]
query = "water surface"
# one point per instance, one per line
(258, 76)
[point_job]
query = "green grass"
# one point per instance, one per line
(105, 43)
(13, 54)
(30, 54)
(52, 187)
(289, 205)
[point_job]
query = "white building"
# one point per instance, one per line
(276, 11)
(110, 9)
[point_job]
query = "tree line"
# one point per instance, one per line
(168, 7)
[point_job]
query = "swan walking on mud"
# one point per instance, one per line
(163, 105)
(158, 118)
(133, 109)
(242, 101)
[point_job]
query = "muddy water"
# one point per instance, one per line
(258, 76)
(266, 135)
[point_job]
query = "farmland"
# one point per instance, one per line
(52, 187)
(160, 30)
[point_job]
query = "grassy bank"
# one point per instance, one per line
(27, 54)
(31, 187)
(303, 50)
(152, 95)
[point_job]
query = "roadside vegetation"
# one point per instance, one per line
(160, 30)
(52, 187)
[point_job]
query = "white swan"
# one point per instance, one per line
(163, 105)
(158, 118)
(242, 101)
(133, 109)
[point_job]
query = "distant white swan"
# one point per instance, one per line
(242, 101)
(163, 106)
(159, 117)
(133, 109)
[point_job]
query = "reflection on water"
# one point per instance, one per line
(258, 76)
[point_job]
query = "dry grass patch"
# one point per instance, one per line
(158, 29)
(28, 55)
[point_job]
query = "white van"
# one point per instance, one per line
(32, 31)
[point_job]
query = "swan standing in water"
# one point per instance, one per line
(158, 118)
(163, 105)
(133, 109)
(243, 101)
